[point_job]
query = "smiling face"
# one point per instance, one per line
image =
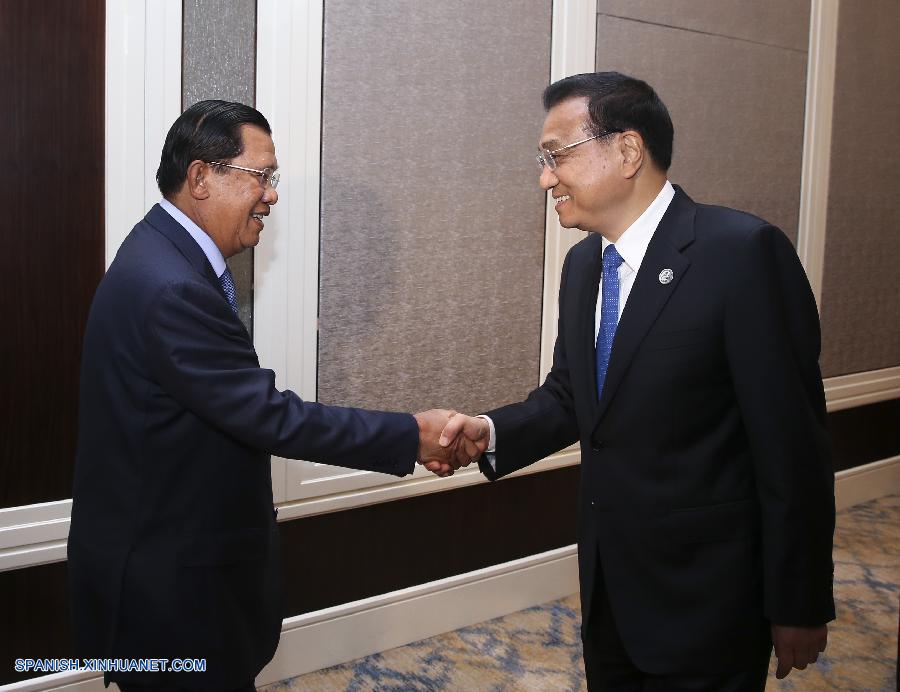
(232, 214)
(587, 183)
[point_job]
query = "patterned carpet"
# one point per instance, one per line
(539, 648)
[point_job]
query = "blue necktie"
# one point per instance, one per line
(609, 312)
(227, 281)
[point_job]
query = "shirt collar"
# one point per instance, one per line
(632, 244)
(199, 235)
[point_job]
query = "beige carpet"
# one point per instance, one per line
(539, 648)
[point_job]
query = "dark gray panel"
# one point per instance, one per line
(860, 298)
(219, 59)
(432, 219)
(783, 23)
(737, 106)
(219, 62)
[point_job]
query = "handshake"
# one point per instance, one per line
(449, 440)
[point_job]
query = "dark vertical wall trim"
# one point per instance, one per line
(52, 195)
(219, 62)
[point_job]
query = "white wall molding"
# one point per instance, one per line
(65, 682)
(143, 99)
(861, 388)
(347, 632)
(423, 484)
(816, 163)
(34, 534)
(286, 263)
(572, 51)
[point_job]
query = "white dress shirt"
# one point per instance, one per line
(199, 235)
(632, 246)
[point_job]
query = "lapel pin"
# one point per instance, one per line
(666, 276)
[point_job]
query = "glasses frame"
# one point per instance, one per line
(546, 157)
(266, 176)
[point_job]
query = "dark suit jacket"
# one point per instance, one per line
(173, 548)
(707, 492)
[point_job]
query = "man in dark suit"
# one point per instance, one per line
(686, 366)
(173, 550)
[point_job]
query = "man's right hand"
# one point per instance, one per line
(469, 435)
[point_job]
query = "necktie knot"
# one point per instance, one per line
(611, 259)
(227, 281)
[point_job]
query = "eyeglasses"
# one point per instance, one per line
(546, 157)
(266, 176)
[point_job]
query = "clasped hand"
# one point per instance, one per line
(449, 440)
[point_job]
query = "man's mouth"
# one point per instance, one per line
(258, 216)
(560, 200)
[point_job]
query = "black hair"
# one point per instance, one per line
(617, 102)
(207, 131)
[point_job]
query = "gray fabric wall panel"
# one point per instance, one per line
(432, 219)
(860, 299)
(783, 23)
(737, 105)
(219, 62)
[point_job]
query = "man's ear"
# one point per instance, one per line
(197, 174)
(631, 147)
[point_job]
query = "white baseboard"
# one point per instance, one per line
(347, 632)
(867, 482)
(67, 682)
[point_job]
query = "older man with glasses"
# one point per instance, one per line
(686, 366)
(173, 549)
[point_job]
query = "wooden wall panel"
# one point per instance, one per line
(865, 434)
(35, 621)
(345, 556)
(52, 194)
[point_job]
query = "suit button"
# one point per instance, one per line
(597, 445)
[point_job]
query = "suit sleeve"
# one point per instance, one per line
(545, 422)
(772, 344)
(201, 358)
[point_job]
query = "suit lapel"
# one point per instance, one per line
(586, 310)
(649, 294)
(160, 219)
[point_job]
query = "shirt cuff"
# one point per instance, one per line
(492, 444)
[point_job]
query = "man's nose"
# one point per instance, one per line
(270, 196)
(548, 178)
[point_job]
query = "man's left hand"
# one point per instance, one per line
(797, 647)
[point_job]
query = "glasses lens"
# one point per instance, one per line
(273, 179)
(547, 159)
